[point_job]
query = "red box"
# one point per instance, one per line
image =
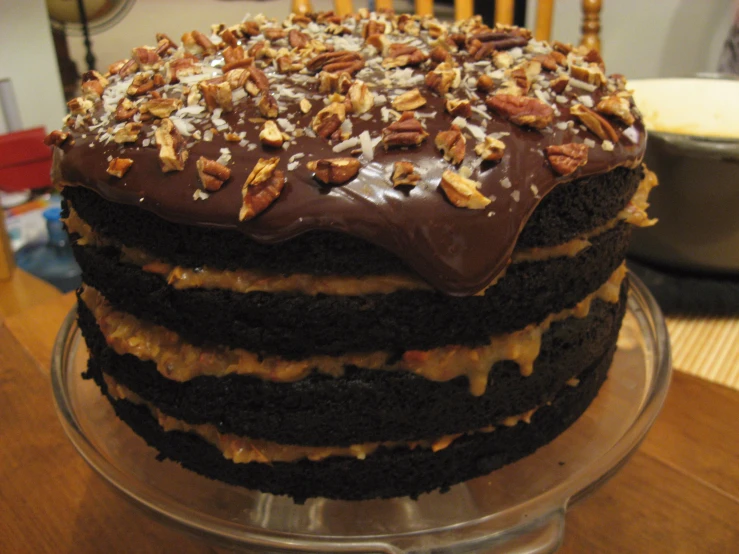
(25, 161)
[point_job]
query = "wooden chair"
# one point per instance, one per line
(503, 14)
(6, 254)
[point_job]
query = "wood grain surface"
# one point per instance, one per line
(678, 494)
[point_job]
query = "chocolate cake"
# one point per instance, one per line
(355, 257)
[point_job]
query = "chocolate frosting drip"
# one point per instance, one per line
(459, 251)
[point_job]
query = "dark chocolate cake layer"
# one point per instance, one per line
(299, 325)
(364, 405)
(569, 210)
(384, 474)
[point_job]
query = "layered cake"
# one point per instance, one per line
(352, 258)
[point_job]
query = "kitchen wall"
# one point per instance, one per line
(27, 57)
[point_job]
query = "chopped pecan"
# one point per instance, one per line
(212, 174)
(286, 64)
(559, 84)
(118, 167)
(161, 107)
(361, 98)
(403, 55)
(329, 119)
(335, 171)
(435, 29)
(485, 83)
(250, 28)
(373, 27)
(502, 40)
(334, 82)
(128, 69)
(261, 188)
(180, 67)
(521, 110)
(443, 78)
(57, 138)
(617, 106)
(410, 100)
(268, 107)
(490, 149)
(80, 105)
(237, 78)
(197, 43)
(217, 95)
(566, 158)
(593, 56)
(128, 133)
(93, 84)
(115, 67)
(452, 144)
(547, 61)
(125, 110)
(231, 55)
(596, 123)
(261, 50)
(462, 192)
(335, 62)
(146, 57)
(164, 45)
(172, 150)
(380, 43)
(407, 131)
(229, 36)
(305, 105)
(270, 135)
(404, 173)
(561, 47)
(481, 50)
(459, 108)
(258, 79)
(440, 54)
(297, 39)
(592, 73)
(273, 33)
(142, 83)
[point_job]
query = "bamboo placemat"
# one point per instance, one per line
(707, 347)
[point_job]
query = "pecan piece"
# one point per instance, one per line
(566, 158)
(57, 138)
(129, 132)
(286, 64)
(232, 55)
(617, 106)
(407, 131)
(173, 69)
(270, 135)
(197, 43)
(146, 57)
(128, 69)
(118, 167)
(268, 107)
(335, 171)
(261, 188)
(596, 123)
(485, 83)
(329, 119)
(305, 105)
(410, 100)
(161, 107)
(373, 28)
(164, 44)
(592, 73)
(115, 67)
(334, 62)
(80, 105)
(404, 173)
(360, 97)
(452, 144)
(297, 39)
(273, 33)
(172, 151)
(212, 174)
(559, 84)
(403, 55)
(142, 83)
(217, 95)
(459, 108)
(490, 149)
(462, 192)
(521, 110)
(125, 110)
(443, 78)
(93, 84)
(333, 82)
(440, 54)
(258, 79)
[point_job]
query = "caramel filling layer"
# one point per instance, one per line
(245, 281)
(243, 450)
(181, 361)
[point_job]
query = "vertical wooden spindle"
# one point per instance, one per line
(504, 12)
(343, 7)
(463, 9)
(543, 28)
(425, 7)
(302, 6)
(383, 5)
(7, 263)
(591, 24)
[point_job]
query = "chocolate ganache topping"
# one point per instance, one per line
(490, 119)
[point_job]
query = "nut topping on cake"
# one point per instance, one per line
(597, 124)
(335, 171)
(408, 101)
(161, 107)
(128, 133)
(262, 187)
(491, 149)
(443, 78)
(452, 144)
(407, 131)
(212, 174)
(616, 106)
(462, 192)
(329, 119)
(360, 97)
(403, 55)
(404, 173)
(57, 138)
(270, 135)
(118, 167)
(459, 108)
(172, 150)
(566, 158)
(521, 110)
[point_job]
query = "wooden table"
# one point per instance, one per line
(678, 494)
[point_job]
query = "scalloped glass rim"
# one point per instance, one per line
(539, 515)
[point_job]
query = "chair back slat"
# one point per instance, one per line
(302, 6)
(383, 5)
(425, 7)
(543, 26)
(504, 11)
(343, 7)
(463, 9)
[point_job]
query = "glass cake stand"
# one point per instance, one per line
(517, 509)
